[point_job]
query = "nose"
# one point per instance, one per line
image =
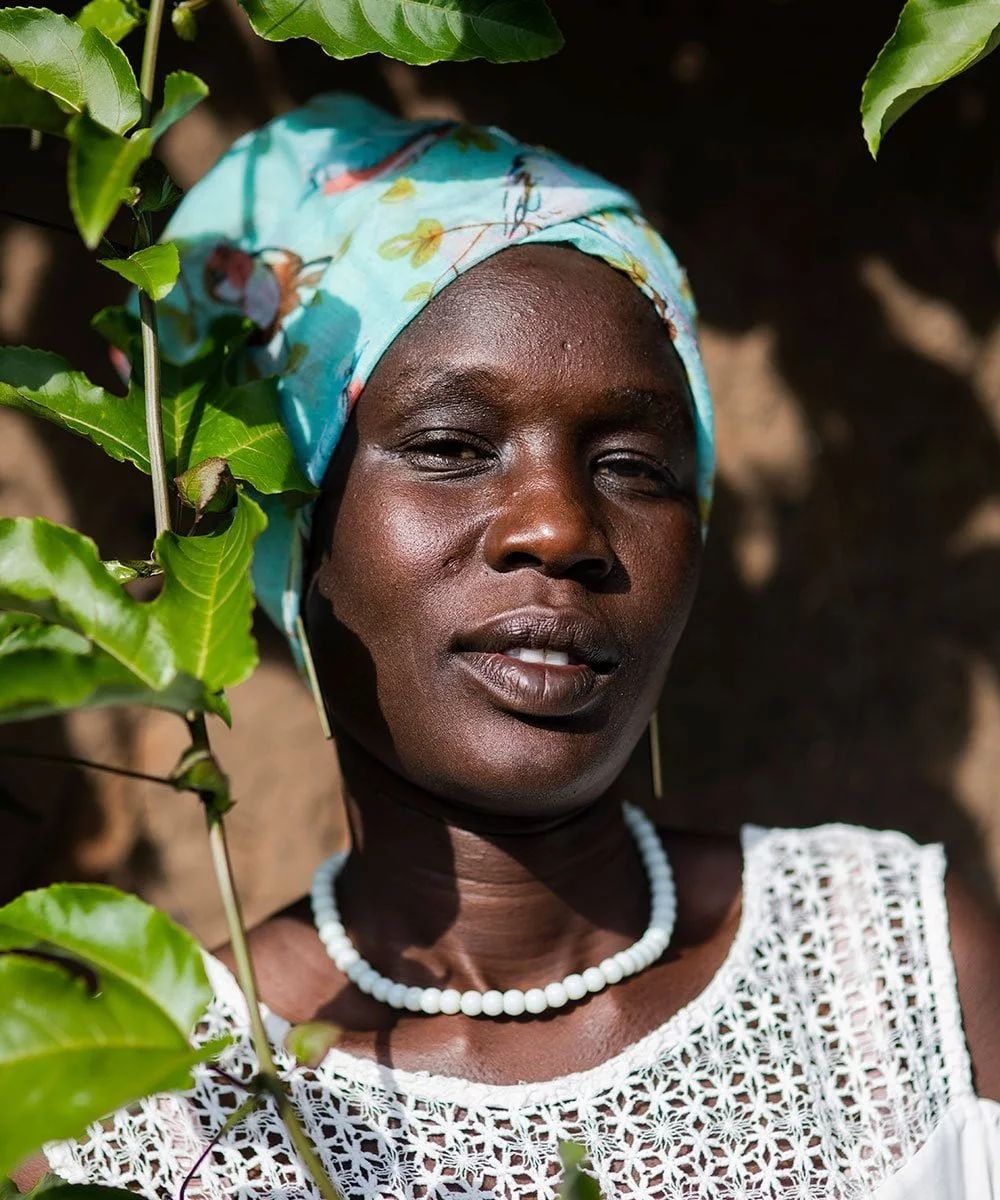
(544, 524)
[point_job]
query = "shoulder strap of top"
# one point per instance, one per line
(862, 923)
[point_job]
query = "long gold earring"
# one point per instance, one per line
(656, 766)
(310, 666)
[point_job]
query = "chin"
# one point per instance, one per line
(524, 771)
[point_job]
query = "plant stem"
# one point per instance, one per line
(267, 1073)
(154, 425)
(150, 49)
(267, 1076)
(147, 309)
(70, 760)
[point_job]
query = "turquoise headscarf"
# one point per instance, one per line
(332, 227)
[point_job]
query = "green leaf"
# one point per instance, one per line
(203, 415)
(206, 606)
(207, 486)
(55, 574)
(47, 669)
(182, 91)
(154, 269)
(71, 1052)
(127, 570)
(576, 1183)
(156, 189)
(101, 166)
(934, 41)
(45, 385)
(26, 107)
(80, 67)
(199, 771)
(241, 424)
(309, 1042)
(415, 31)
(206, 415)
(184, 21)
(114, 18)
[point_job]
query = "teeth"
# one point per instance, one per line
(551, 658)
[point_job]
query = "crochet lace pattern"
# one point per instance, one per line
(815, 1064)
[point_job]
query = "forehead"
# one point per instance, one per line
(542, 318)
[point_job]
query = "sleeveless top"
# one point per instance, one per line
(825, 1059)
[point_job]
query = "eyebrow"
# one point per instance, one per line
(670, 404)
(451, 386)
(455, 387)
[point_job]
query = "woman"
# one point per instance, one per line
(494, 579)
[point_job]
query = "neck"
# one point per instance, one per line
(439, 895)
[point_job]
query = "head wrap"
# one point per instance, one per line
(334, 225)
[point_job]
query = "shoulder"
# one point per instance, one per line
(975, 948)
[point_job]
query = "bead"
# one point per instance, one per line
(451, 1001)
(513, 1002)
(624, 960)
(344, 957)
(594, 979)
(430, 1001)
(535, 1001)
(366, 978)
(492, 1003)
(472, 1003)
(611, 971)
(576, 989)
(555, 994)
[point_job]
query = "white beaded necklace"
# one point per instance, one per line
(513, 1002)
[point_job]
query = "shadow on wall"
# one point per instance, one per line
(843, 661)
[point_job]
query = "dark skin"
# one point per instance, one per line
(524, 447)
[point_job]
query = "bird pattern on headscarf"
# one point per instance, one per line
(333, 226)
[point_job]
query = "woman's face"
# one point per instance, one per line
(508, 544)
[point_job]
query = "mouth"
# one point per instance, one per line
(539, 662)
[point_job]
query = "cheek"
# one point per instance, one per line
(390, 560)
(661, 565)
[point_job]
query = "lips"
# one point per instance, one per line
(539, 662)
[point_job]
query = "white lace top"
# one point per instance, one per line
(825, 1059)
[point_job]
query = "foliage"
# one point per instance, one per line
(416, 31)
(576, 1183)
(934, 41)
(99, 993)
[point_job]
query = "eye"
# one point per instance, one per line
(636, 473)
(446, 452)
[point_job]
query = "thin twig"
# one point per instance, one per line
(69, 760)
(120, 250)
(244, 1110)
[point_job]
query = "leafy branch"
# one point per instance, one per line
(71, 636)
